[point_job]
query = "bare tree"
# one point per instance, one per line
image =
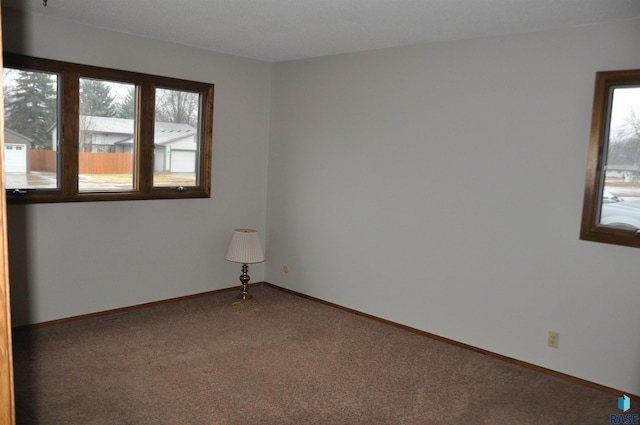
(631, 125)
(177, 106)
(624, 142)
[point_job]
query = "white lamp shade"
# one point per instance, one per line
(245, 247)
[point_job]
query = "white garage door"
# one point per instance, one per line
(15, 158)
(183, 161)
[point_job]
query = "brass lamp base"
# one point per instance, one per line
(244, 278)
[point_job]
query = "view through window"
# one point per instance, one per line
(620, 203)
(83, 133)
(31, 119)
(107, 135)
(176, 141)
(611, 206)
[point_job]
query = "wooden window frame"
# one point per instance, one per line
(590, 229)
(68, 191)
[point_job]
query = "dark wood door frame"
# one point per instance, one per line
(7, 403)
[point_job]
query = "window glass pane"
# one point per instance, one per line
(176, 138)
(31, 129)
(620, 200)
(107, 136)
(104, 110)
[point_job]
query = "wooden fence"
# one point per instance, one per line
(105, 163)
(42, 160)
(89, 162)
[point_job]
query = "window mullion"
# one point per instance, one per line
(144, 158)
(71, 133)
(206, 145)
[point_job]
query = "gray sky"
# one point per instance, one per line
(625, 101)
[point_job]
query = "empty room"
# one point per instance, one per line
(436, 189)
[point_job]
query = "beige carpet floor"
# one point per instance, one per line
(277, 359)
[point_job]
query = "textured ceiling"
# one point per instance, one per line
(279, 30)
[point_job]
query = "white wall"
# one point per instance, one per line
(77, 258)
(440, 186)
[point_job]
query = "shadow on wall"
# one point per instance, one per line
(19, 281)
(14, 36)
(15, 39)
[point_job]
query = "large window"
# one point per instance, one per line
(611, 211)
(81, 133)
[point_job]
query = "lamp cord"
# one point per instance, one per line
(244, 304)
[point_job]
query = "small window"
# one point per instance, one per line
(97, 134)
(107, 136)
(176, 141)
(31, 113)
(611, 211)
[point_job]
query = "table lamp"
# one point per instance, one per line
(245, 248)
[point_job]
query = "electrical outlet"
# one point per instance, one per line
(553, 339)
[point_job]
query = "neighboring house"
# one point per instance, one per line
(175, 145)
(624, 168)
(102, 134)
(16, 152)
